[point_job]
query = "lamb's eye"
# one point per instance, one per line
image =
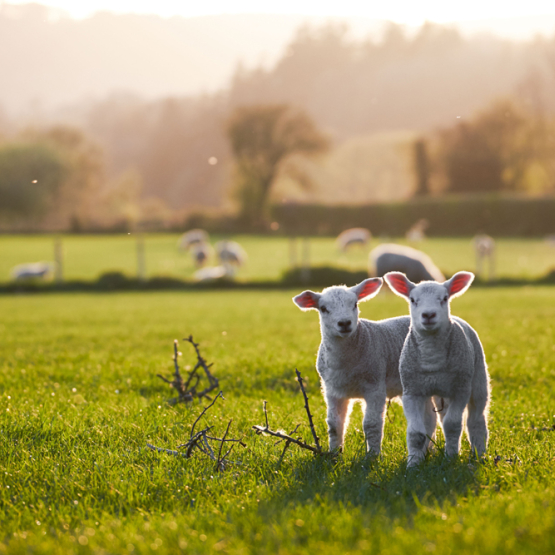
(446, 298)
(324, 309)
(412, 300)
(356, 304)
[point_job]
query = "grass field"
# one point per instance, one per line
(79, 399)
(86, 257)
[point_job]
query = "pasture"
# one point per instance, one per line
(88, 256)
(79, 400)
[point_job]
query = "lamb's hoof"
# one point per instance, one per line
(414, 460)
(336, 453)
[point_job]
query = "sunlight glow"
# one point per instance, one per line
(401, 11)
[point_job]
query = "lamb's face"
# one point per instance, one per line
(338, 305)
(429, 307)
(429, 301)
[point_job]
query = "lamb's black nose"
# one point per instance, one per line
(344, 323)
(429, 315)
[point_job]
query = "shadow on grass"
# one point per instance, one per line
(376, 487)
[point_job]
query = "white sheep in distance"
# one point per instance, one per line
(231, 253)
(358, 359)
(353, 236)
(201, 252)
(417, 265)
(442, 359)
(32, 270)
(192, 237)
(416, 232)
(484, 249)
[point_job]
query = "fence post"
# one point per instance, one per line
(293, 252)
(141, 262)
(305, 261)
(58, 260)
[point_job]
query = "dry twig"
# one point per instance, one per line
(201, 441)
(187, 389)
(288, 438)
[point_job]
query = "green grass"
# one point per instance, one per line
(79, 399)
(86, 257)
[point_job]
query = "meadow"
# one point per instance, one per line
(79, 401)
(86, 257)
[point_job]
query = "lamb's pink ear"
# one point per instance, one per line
(307, 300)
(367, 289)
(459, 283)
(399, 284)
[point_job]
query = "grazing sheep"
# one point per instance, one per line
(32, 270)
(417, 265)
(354, 236)
(201, 252)
(417, 232)
(443, 359)
(358, 359)
(231, 253)
(484, 248)
(213, 273)
(192, 237)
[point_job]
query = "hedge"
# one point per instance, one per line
(448, 216)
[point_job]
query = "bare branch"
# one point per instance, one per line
(312, 429)
(187, 389)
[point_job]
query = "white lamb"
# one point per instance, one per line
(353, 236)
(201, 252)
(192, 237)
(417, 265)
(443, 359)
(231, 253)
(32, 270)
(358, 359)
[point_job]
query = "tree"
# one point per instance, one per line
(30, 177)
(489, 153)
(421, 167)
(262, 138)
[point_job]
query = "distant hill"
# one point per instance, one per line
(48, 60)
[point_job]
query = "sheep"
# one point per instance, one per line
(192, 237)
(200, 253)
(416, 233)
(354, 236)
(231, 253)
(417, 265)
(442, 359)
(213, 273)
(32, 270)
(484, 248)
(358, 359)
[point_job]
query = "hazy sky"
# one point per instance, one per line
(402, 11)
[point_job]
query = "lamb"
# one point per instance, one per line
(358, 359)
(443, 359)
(484, 248)
(231, 253)
(192, 237)
(417, 265)
(201, 252)
(354, 236)
(32, 270)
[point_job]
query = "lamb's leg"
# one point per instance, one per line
(430, 422)
(372, 422)
(414, 407)
(338, 410)
(453, 425)
(476, 423)
(441, 406)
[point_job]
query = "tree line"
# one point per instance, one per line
(132, 160)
